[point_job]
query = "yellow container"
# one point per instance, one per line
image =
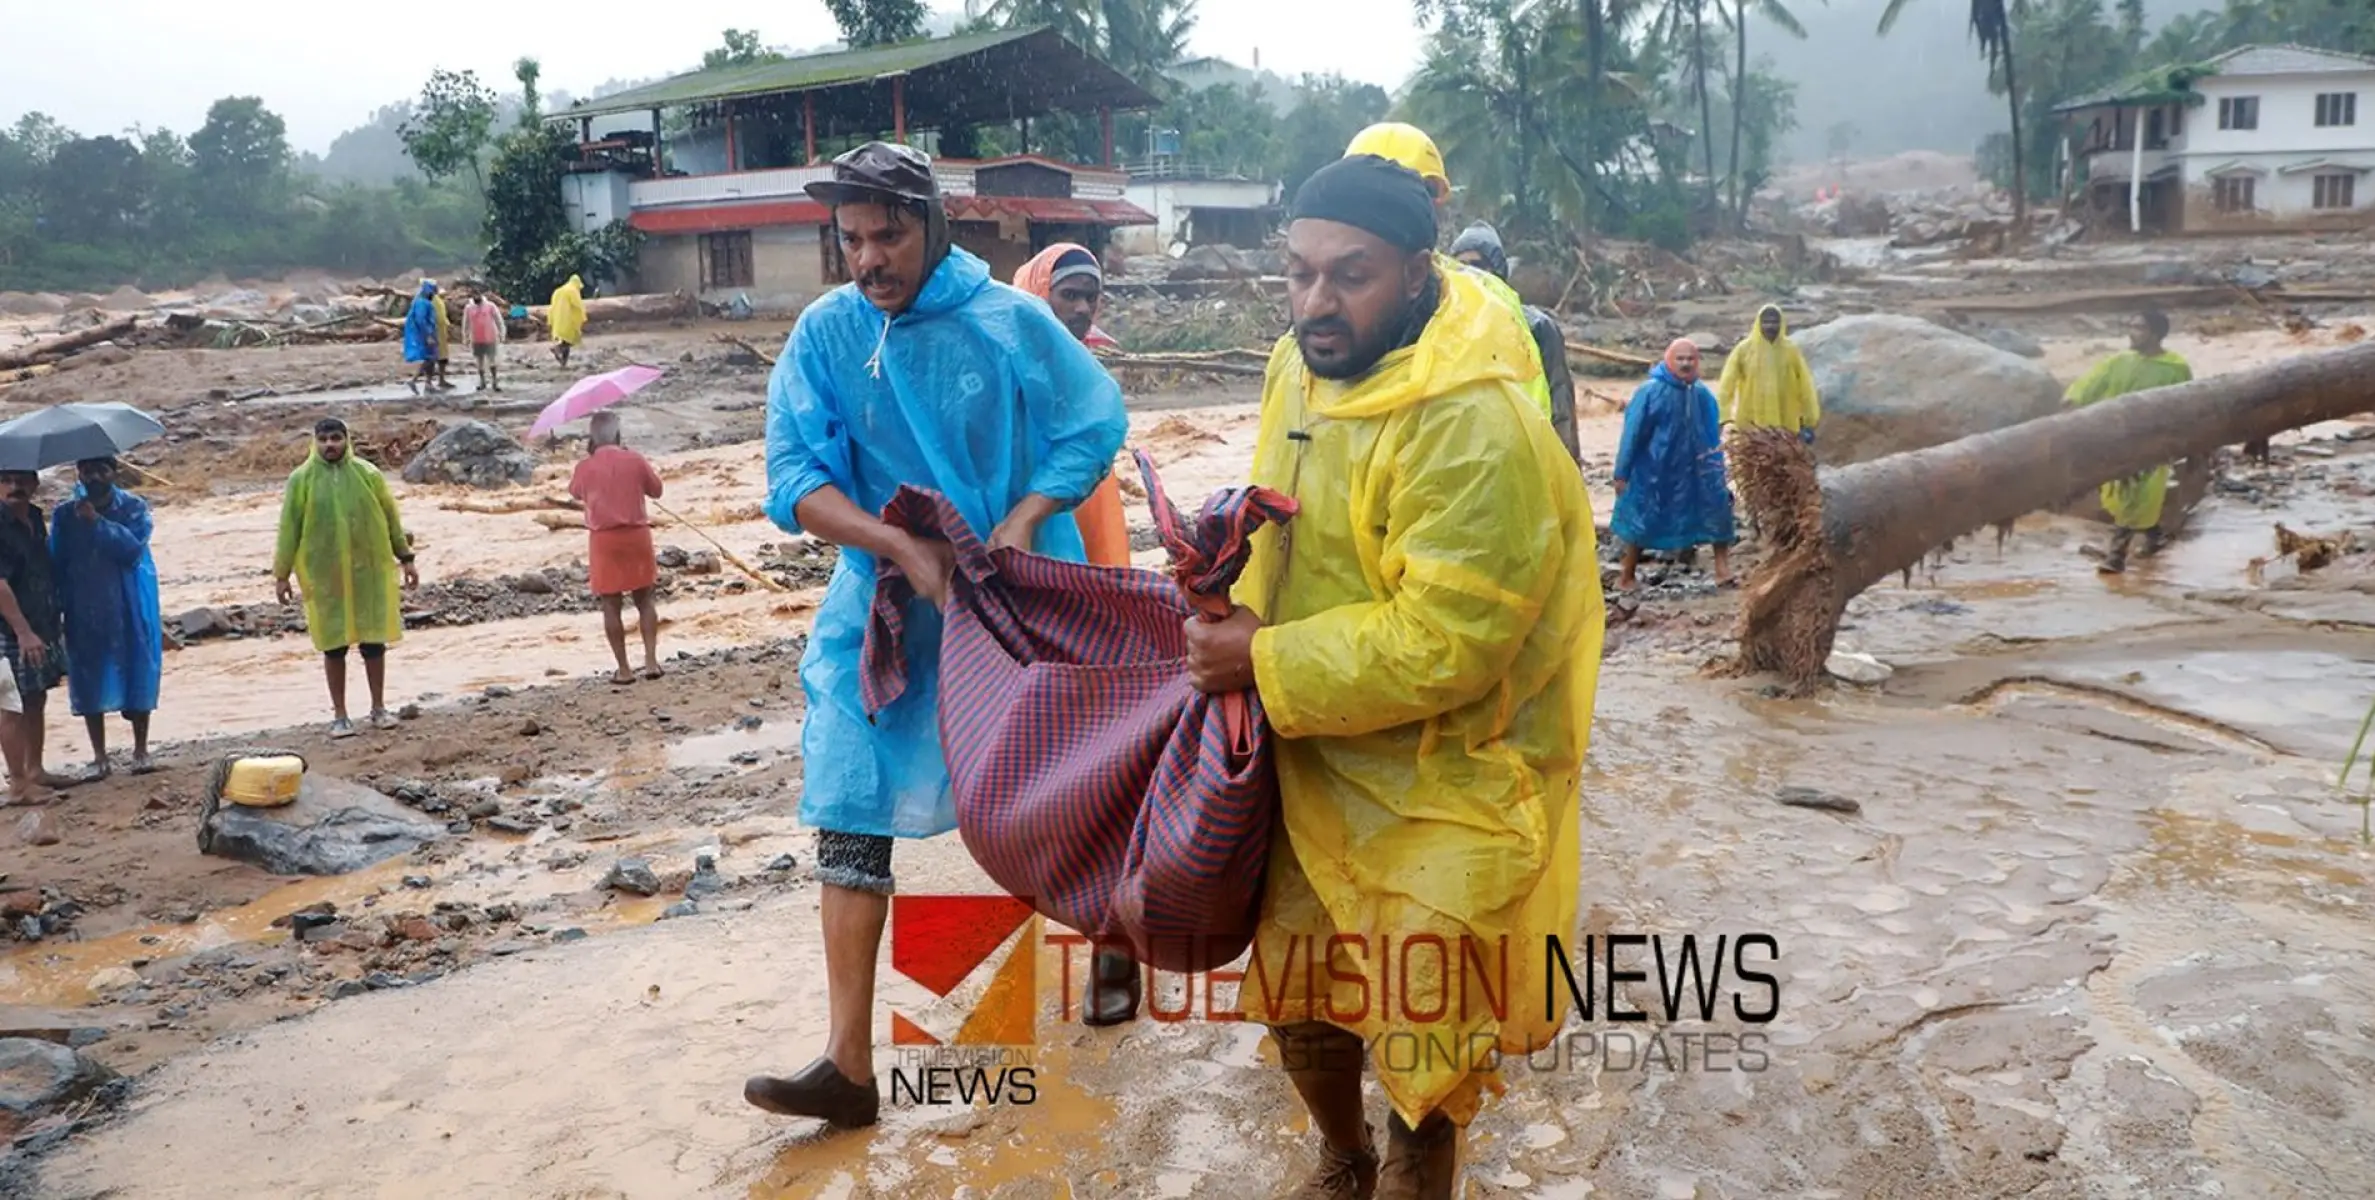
(264, 782)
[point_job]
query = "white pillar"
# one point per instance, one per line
(2136, 177)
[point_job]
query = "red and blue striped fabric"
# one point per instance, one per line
(1090, 778)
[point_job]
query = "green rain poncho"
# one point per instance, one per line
(2134, 502)
(339, 532)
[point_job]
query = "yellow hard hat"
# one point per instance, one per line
(1406, 144)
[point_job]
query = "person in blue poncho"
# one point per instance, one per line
(107, 594)
(420, 336)
(1670, 489)
(921, 371)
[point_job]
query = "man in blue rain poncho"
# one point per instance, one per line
(107, 593)
(1670, 490)
(421, 344)
(922, 372)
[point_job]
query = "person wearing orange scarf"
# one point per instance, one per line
(1069, 279)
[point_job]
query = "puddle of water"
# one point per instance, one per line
(59, 974)
(2206, 853)
(720, 750)
(2308, 701)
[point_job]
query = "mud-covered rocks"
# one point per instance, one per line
(473, 453)
(334, 827)
(39, 1077)
(1890, 384)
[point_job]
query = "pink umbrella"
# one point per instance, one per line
(591, 395)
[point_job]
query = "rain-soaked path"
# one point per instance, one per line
(2099, 929)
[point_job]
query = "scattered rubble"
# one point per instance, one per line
(334, 827)
(473, 453)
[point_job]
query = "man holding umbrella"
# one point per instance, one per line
(107, 595)
(32, 631)
(30, 636)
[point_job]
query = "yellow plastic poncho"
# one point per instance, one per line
(2134, 502)
(445, 327)
(1536, 383)
(568, 314)
(340, 534)
(1766, 383)
(1432, 647)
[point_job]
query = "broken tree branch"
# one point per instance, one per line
(60, 347)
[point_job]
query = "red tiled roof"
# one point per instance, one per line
(1049, 209)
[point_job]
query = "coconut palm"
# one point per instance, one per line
(1779, 15)
(1991, 24)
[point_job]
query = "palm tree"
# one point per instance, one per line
(1777, 13)
(1991, 23)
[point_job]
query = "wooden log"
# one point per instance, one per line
(1579, 354)
(1834, 535)
(60, 347)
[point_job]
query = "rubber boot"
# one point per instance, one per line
(1325, 1064)
(2154, 540)
(1423, 1164)
(1113, 990)
(2115, 560)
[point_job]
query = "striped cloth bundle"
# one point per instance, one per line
(1090, 778)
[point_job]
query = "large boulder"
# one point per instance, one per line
(39, 1077)
(1891, 384)
(473, 453)
(333, 827)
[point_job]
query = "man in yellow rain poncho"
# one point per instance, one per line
(1410, 146)
(2135, 502)
(568, 318)
(341, 537)
(1766, 384)
(1425, 637)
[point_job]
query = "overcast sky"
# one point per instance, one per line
(101, 67)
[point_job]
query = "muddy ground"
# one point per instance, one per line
(2096, 926)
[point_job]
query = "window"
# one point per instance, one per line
(2334, 191)
(725, 260)
(2235, 193)
(2338, 108)
(2156, 132)
(2239, 112)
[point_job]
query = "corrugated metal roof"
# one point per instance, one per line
(1035, 60)
(2288, 59)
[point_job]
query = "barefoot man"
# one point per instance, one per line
(1425, 638)
(30, 633)
(341, 537)
(960, 385)
(613, 482)
(107, 593)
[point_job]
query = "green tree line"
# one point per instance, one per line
(156, 209)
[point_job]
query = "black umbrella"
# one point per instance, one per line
(73, 432)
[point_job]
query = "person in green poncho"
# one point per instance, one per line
(341, 537)
(2134, 502)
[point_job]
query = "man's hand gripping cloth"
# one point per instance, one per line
(1090, 778)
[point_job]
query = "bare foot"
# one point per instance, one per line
(652, 671)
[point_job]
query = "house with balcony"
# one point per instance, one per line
(2258, 138)
(711, 165)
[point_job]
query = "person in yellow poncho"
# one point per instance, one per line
(1425, 637)
(2134, 503)
(1411, 147)
(342, 539)
(1766, 384)
(568, 318)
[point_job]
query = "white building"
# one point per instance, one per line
(1195, 207)
(2260, 137)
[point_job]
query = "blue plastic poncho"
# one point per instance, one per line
(420, 326)
(107, 594)
(975, 392)
(1671, 461)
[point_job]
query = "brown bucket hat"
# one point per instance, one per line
(877, 172)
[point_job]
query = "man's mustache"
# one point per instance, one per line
(1324, 325)
(877, 278)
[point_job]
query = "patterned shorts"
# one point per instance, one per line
(33, 681)
(860, 862)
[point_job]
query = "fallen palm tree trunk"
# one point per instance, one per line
(1579, 354)
(1833, 535)
(60, 347)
